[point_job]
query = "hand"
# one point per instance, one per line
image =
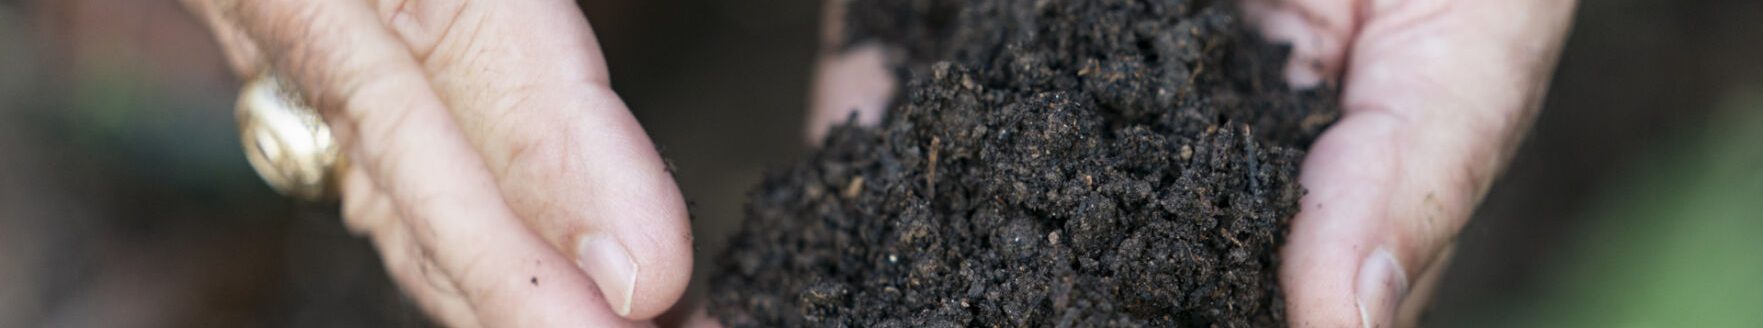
(1436, 96)
(501, 179)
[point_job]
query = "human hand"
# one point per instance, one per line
(1436, 95)
(501, 179)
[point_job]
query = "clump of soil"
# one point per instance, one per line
(1048, 163)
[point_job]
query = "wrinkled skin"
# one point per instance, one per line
(506, 185)
(502, 181)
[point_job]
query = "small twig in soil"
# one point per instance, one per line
(1233, 239)
(930, 176)
(855, 187)
(1254, 163)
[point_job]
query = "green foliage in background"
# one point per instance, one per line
(1678, 244)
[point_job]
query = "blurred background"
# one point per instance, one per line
(125, 199)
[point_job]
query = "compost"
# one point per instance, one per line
(1046, 163)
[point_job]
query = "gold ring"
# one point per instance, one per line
(286, 141)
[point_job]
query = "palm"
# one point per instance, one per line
(1436, 94)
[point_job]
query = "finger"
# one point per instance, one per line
(1346, 182)
(417, 276)
(368, 212)
(1319, 31)
(1436, 95)
(848, 82)
(528, 86)
(379, 104)
(365, 207)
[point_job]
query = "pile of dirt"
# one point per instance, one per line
(1047, 163)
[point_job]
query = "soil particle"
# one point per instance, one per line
(1047, 163)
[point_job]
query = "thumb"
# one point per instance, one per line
(529, 87)
(848, 81)
(1436, 95)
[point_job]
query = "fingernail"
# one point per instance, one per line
(611, 267)
(1382, 285)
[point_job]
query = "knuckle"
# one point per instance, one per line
(537, 147)
(436, 278)
(421, 24)
(426, 257)
(363, 215)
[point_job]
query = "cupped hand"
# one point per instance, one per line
(501, 179)
(1436, 96)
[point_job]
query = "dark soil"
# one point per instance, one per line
(1048, 163)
